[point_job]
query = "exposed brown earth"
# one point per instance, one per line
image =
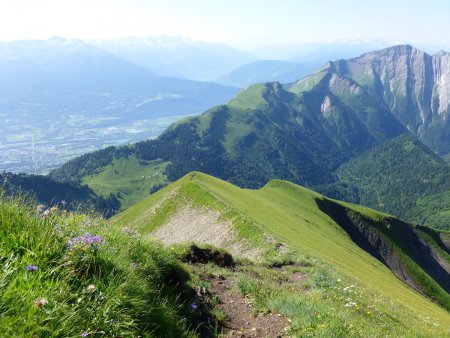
(240, 321)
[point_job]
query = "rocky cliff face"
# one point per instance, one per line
(395, 243)
(414, 86)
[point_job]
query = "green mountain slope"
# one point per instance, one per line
(373, 248)
(49, 192)
(265, 132)
(131, 180)
(402, 177)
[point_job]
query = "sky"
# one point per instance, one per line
(240, 23)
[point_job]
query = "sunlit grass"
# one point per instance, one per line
(67, 275)
(131, 180)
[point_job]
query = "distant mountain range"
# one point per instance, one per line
(305, 132)
(60, 98)
(67, 75)
(321, 51)
(178, 57)
(184, 58)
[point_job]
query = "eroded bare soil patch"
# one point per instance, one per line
(240, 322)
(203, 226)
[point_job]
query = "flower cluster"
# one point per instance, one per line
(31, 268)
(350, 303)
(84, 242)
(349, 288)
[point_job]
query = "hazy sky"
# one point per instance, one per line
(243, 23)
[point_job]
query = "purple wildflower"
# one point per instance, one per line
(31, 268)
(194, 306)
(84, 241)
(84, 334)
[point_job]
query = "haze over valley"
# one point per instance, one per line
(61, 98)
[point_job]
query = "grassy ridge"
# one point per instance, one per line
(290, 214)
(68, 275)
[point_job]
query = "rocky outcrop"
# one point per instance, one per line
(394, 243)
(414, 85)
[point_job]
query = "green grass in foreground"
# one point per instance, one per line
(67, 275)
(130, 179)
